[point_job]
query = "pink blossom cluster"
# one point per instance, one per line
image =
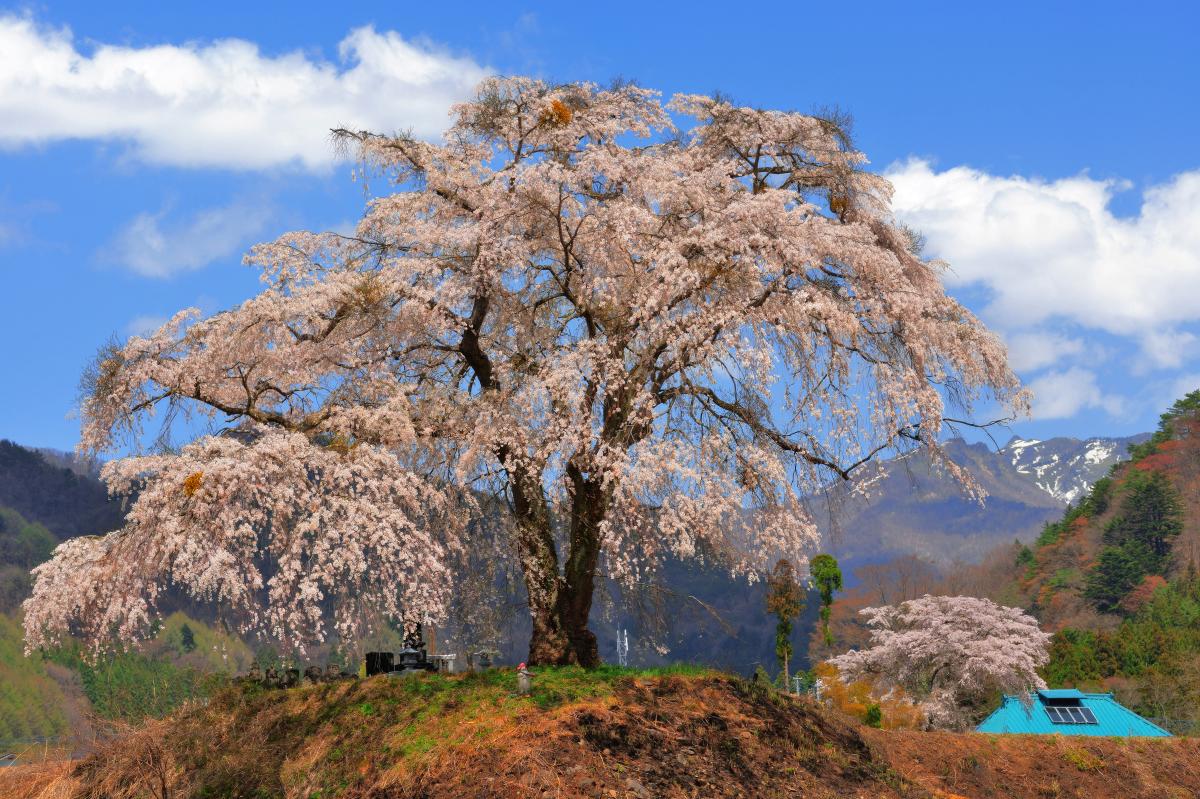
(278, 532)
(949, 653)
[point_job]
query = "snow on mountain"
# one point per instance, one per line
(915, 508)
(1065, 468)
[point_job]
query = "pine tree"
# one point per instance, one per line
(187, 639)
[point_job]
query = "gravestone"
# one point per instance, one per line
(380, 663)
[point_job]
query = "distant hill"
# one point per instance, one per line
(54, 490)
(914, 509)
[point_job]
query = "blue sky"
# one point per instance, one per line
(1048, 151)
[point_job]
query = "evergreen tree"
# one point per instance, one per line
(187, 639)
(1118, 571)
(828, 578)
(1138, 541)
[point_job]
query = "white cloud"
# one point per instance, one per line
(1054, 251)
(224, 103)
(1059, 395)
(145, 325)
(1168, 349)
(155, 246)
(1035, 349)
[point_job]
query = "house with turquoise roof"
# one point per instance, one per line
(1066, 711)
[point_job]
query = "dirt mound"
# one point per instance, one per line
(600, 734)
(677, 738)
(581, 734)
(1044, 766)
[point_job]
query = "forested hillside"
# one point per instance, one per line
(67, 502)
(23, 545)
(1115, 578)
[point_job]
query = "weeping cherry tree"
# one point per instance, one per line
(648, 329)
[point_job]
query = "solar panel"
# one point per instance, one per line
(1069, 714)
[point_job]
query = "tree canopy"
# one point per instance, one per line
(785, 600)
(1138, 540)
(632, 333)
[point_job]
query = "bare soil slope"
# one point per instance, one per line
(1044, 766)
(584, 735)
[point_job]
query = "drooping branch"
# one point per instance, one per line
(597, 318)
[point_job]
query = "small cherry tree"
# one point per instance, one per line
(950, 653)
(629, 334)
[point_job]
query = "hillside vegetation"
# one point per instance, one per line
(66, 502)
(1116, 578)
(606, 733)
(32, 703)
(51, 695)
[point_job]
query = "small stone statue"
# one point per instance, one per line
(524, 681)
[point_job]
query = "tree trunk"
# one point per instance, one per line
(588, 505)
(560, 604)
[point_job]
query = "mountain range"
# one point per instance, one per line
(911, 508)
(915, 508)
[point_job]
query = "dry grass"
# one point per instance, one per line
(50, 780)
(596, 735)
(581, 734)
(132, 763)
(1033, 766)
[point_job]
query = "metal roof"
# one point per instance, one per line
(1060, 693)
(1112, 718)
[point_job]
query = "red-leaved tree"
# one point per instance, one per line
(643, 339)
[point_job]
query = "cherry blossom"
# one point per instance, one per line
(950, 653)
(646, 339)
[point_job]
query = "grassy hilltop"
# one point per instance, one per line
(605, 733)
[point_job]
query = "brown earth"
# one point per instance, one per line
(1044, 766)
(667, 736)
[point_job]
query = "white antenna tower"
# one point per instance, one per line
(623, 647)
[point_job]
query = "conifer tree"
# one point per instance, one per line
(1138, 540)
